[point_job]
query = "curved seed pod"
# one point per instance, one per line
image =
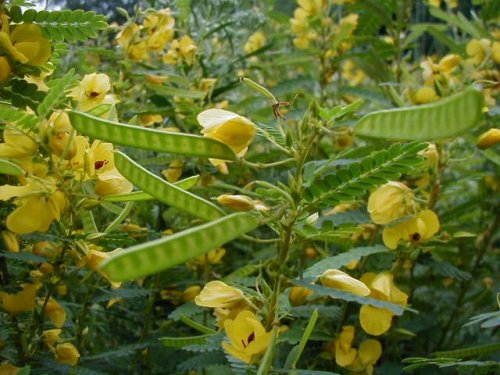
(445, 118)
(158, 255)
(8, 167)
(149, 139)
(164, 191)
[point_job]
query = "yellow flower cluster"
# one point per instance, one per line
(42, 196)
(153, 36)
(361, 360)
(307, 31)
(256, 41)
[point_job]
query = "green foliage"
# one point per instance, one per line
(58, 89)
(20, 118)
(296, 352)
(446, 118)
(354, 181)
(179, 342)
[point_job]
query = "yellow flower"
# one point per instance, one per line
(420, 227)
(25, 43)
(312, 7)
(212, 257)
(125, 36)
(67, 354)
(489, 138)
(425, 95)
(95, 258)
(17, 144)
(495, 52)
(390, 202)
(337, 279)
(298, 295)
(5, 69)
(21, 301)
(101, 165)
(301, 42)
(9, 369)
(369, 352)
(138, 52)
(227, 127)
(150, 119)
(344, 352)
(448, 63)
(174, 171)
(190, 293)
(95, 86)
(299, 22)
(376, 321)
(51, 337)
(219, 294)
(247, 337)
(59, 132)
(477, 50)
(355, 76)
(55, 312)
(161, 20)
(241, 202)
(256, 41)
(183, 48)
(39, 204)
(10, 241)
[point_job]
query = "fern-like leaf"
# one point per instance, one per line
(72, 26)
(20, 118)
(355, 180)
(58, 89)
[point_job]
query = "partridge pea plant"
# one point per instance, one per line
(249, 187)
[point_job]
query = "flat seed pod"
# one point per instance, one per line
(443, 119)
(158, 255)
(149, 139)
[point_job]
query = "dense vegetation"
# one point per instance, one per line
(250, 187)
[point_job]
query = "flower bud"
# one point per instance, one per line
(5, 69)
(298, 295)
(489, 138)
(390, 202)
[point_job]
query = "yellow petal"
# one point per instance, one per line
(241, 355)
(21, 301)
(219, 294)
(375, 321)
(431, 221)
(340, 280)
(369, 351)
(55, 312)
(390, 202)
(67, 353)
(391, 237)
(51, 337)
(344, 358)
